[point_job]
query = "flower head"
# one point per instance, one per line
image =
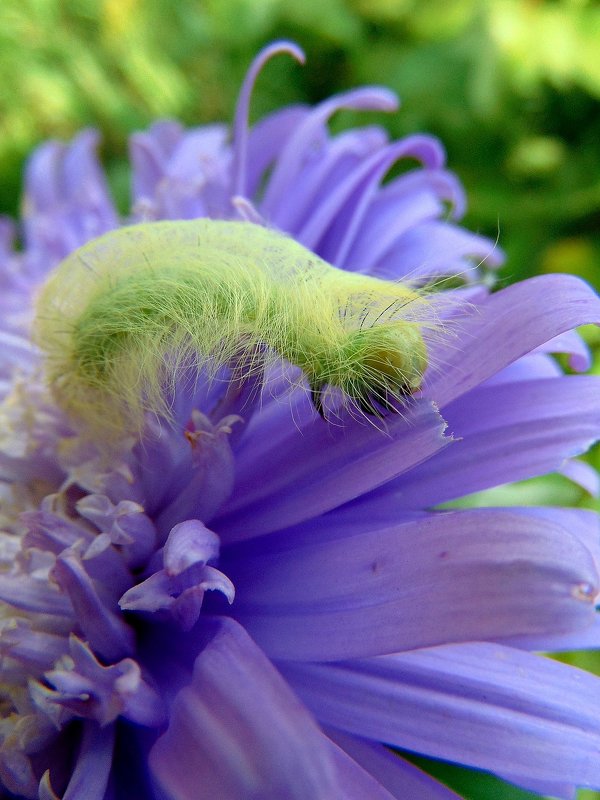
(250, 601)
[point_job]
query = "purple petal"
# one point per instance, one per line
(33, 594)
(330, 163)
(585, 639)
(476, 574)
(508, 325)
(36, 649)
(506, 433)
(240, 123)
(533, 365)
(126, 524)
(438, 248)
(570, 342)
(402, 779)
(189, 543)
(104, 693)
(68, 201)
(149, 152)
(355, 783)
(290, 162)
(583, 474)
(180, 174)
(331, 465)
(237, 731)
(16, 351)
(180, 594)
(407, 201)
(477, 704)
(105, 630)
(92, 770)
(210, 474)
(335, 221)
(267, 139)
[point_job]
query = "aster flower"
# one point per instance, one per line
(251, 602)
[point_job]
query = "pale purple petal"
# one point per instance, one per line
(585, 639)
(238, 731)
(105, 630)
(505, 327)
(407, 201)
(477, 704)
(290, 162)
(92, 769)
(573, 344)
(399, 777)
(355, 783)
(240, 123)
(506, 433)
(335, 220)
(32, 594)
(476, 574)
(527, 368)
(210, 473)
(94, 691)
(331, 465)
(334, 161)
(266, 140)
(438, 248)
(189, 543)
(583, 474)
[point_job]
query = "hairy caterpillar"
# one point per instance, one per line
(122, 314)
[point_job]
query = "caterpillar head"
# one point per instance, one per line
(373, 367)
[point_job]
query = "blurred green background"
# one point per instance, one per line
(512, 87)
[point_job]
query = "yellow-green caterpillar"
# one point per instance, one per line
(120, 316)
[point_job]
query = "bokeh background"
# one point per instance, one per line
(512, 87)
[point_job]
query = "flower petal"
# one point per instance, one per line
(401, 778)
(508, 325)
(476, 574)
(240, 123)
(237, 731)
(92, 770)
(478, 704)
(331, 465)
(290, 162)
(505, 433)
(439, 248)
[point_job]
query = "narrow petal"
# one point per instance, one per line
(506, 433)
(476, 574)
(92, 770)
(508, 325)
(583, 474)
(571, 343)
(32, 594)
(331, 465)
(477, 704)
(267, 139)
(585, 639)
(399, 777)
(338, 158)
(105, 630)
(336, 219)
(237, 731)
(290, 162)
(440, 248)
(240, 123)
(356, 783)
(407, 201)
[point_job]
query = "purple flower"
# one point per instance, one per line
(253, 602)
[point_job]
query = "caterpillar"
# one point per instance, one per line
(120, 316)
